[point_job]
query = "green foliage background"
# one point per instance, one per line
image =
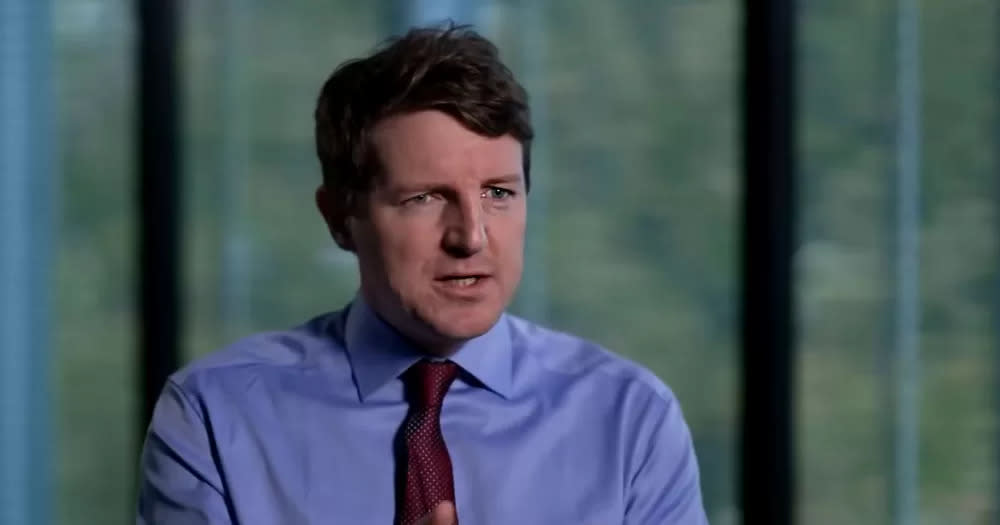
(634, 221)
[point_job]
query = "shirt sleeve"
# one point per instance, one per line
(178, 478)
(665, 486)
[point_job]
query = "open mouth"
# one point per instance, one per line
(462, 281)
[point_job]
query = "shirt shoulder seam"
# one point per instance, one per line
(641, 374)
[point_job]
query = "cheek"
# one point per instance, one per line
(407, 248)
(510, 239)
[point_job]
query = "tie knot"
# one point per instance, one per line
(428, 382)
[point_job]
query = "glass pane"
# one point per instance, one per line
(635, 186)
(846, 170)
(94, 314)
(860, 447)
(258, 254)
(960, 265)
(634, 208)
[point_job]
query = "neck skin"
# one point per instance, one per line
(439, 347)
(417, 333)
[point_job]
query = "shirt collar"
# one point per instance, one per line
(379, 353)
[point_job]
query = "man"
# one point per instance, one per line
(421, 401)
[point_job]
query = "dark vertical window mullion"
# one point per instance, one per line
(769, 199)
(157, 177)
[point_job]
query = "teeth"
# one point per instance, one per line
(468, 281)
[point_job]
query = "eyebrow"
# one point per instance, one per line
(505, 179)
(510, 178)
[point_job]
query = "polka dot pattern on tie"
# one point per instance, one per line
(428, 465)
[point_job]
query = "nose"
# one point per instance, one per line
(465, 233)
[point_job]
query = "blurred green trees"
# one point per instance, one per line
(639, 251)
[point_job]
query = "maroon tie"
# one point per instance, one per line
(428, 466)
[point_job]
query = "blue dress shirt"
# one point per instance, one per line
(297, 427)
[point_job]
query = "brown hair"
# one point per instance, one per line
(452, 69)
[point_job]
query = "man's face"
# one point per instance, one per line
(441, 244)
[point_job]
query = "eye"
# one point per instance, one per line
(423, 198)
(497, 193)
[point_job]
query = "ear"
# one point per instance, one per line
(336, 220)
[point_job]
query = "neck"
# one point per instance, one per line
(434, 345)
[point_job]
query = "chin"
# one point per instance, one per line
(461, 326)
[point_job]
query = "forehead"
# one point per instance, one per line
(427, 146)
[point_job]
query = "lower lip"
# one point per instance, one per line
(451, 287)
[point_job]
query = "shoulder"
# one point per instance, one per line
(561, 354)
(274, 352)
